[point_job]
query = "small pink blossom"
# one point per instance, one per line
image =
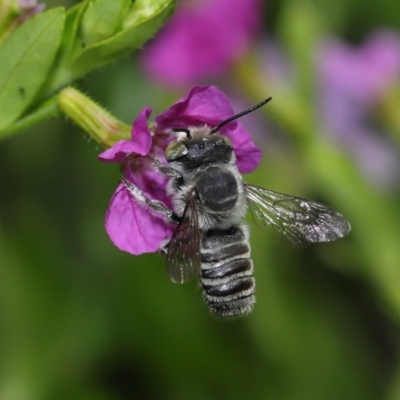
(131, 227)
(352, 82)
(202, 39)
(27, 9)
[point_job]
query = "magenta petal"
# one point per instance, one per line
(202, 39)
(149, 181)
(139, 144)
(247, 154)
(364, 72)
(141, 134)
(131, 228)
(201, 105)
(118, 152)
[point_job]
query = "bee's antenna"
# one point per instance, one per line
(185, 130)
(236, 116)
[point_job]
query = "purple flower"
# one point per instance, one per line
(352, 82)
(28, 8)
(131, 227)
(202, 39)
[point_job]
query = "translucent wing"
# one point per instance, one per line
(293, 219)
(183, 258)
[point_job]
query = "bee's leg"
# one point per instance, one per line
(166, 169)
(164, 247)
(154, 206)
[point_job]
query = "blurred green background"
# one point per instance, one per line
(81, 320)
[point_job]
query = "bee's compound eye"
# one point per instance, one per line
(223, 141)
(175, 150)
(227, 141)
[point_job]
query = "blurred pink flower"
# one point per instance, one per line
(15, 12)
(202, 39)
(131, 227)
(352, 82)
(28, 8)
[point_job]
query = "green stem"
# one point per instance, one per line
(289, 110)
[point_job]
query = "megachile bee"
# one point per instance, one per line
(209, 202)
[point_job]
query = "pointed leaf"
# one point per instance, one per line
(26, 57)
(71, 30)
(102, 19)
(141, 24)
(61, 74)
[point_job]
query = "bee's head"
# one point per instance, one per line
(204, 145)
(199, 147)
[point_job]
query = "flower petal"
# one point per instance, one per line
(132, 228)
(352, 81)
(201, 105)
(361, 73)
(248, 156)
(200, 41)
(118, 152)
(141, 134)
(139, 144)
(148, 180)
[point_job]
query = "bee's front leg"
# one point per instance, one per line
(154, 206)
(166, 169)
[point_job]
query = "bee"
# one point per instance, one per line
(209, 202)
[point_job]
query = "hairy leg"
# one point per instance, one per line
(166, 169)
(154, 206)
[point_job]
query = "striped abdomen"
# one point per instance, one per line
(227, 272)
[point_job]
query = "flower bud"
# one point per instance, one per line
(92, 118)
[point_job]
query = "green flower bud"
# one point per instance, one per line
(92, 118)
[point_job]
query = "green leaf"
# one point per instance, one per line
(71, 30)
(102, 19)
(26, 57)
(60, 73)
(142, 22)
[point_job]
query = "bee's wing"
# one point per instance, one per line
(295, 220)
(183, 258)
